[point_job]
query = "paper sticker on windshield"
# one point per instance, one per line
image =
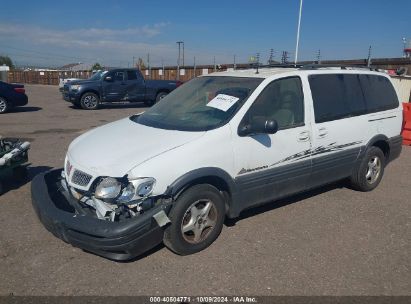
(223, 102)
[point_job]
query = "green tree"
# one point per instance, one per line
(96, 66)
(6, 60)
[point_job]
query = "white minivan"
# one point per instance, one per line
(218, 145)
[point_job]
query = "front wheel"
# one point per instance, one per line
(369, 172)
(4, 106)
(90, 101)
(196, 220)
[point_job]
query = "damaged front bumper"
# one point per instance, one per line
(114, 240)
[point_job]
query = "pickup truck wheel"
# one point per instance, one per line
(4, 106)
(369, 172)
(196, 220)
(160, 96)
(89, 101)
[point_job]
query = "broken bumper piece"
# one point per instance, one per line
(114, 240)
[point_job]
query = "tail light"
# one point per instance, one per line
(20, 90)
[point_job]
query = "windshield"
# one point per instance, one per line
(201, 104)
(98, 75)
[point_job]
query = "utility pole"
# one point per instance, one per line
(404, 42)
(214, 65)
(298, 33)
(162, 66)
(133, 62)
(179, 57)
(183, 53)
(284, 57)
(195, 67)
(319, 56)
(369, 57)
(258, 61)
(271, 58)
(234, 64)
(148, 65)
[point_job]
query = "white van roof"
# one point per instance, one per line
(264, 72)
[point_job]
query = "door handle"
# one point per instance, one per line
(322, 132)
(304, 136)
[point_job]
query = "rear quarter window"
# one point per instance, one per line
(338, 96)
(379, 93)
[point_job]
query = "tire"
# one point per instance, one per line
(90, 101)
(201, 211)
(368, 174)
(4, 106)
(160, 96)
(1, 188)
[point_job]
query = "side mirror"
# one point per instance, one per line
(258, 125)
(108, 78)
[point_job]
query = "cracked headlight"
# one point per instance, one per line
(108, 188)
(145, 187)
(112, 190)
(127, 194)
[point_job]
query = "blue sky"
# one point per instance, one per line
(54, 32)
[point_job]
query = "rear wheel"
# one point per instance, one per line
(369, 172)
(160, 96)
(4, 106)
(89, 101)
(196, 220)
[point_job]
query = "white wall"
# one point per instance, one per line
(403, 86)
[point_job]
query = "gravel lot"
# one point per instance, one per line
(332, 241)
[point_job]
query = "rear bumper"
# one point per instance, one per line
(114, 240)
(19, 100)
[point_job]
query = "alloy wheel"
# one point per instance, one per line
(3, 105)
(373, 170)
(90, 101)
(198, 221)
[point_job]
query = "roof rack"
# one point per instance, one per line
(342, 67)
(264, 66)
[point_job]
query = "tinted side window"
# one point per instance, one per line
(283, 101)
(336, 96)
(379, 93)
(119, 76)
(131, 75)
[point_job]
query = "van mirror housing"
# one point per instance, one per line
(258, 125)
(108, 78)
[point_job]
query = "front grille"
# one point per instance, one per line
(80, 178)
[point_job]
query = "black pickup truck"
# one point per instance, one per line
(117, 85)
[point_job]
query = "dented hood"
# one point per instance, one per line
(116, 148)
